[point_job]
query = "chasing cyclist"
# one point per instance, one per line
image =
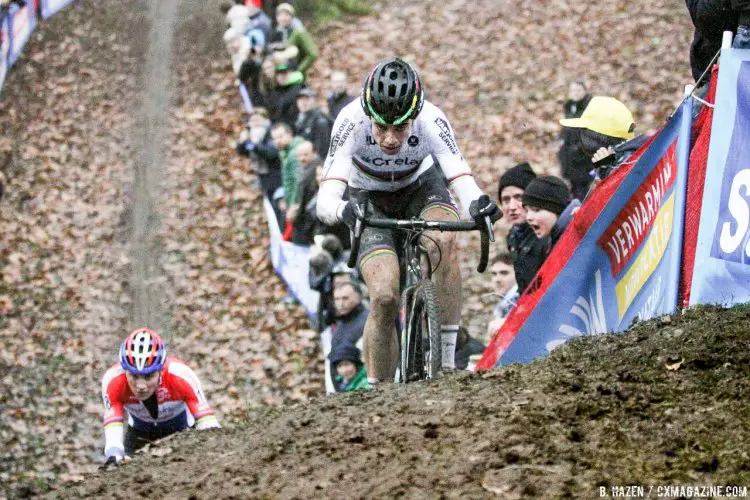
(161, 395)
(387, 147)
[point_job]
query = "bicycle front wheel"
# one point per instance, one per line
(422, 354)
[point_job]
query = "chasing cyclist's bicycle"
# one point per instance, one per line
(421, 351)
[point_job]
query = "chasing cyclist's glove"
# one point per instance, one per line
(483, 207)
(349, 215)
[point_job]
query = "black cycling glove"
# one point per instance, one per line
(349, 215)
(483, 207)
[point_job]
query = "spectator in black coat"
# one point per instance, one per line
(303, 214)
(312, 123)
(338, 97)
(255, 142)
(283, 100)
(574, 165)
(549, 208)
(525, 248)
(711, 19)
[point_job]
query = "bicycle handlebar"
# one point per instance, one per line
(486, 233)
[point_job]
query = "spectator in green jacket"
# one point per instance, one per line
(287, 143)
(350, 373)
(300, 38)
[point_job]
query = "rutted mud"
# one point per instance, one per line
(666, 403)
(150, 136)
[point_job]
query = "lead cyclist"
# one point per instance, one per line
(386, 146)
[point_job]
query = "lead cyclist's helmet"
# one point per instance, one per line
(143, 352)
(392, 93)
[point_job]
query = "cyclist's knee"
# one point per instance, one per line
(446, 242)
(384, 299)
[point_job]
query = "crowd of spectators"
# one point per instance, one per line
(289, 133)
(286, 138)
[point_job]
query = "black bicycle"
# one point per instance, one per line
(421, 350)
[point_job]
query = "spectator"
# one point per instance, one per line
(288, 32)
(327, 273)
(302, 214)
(504, 281)
(286, 142)
(549, 208)
(338, 97)
(238, 46)
(312, 123)
(260, 22)
(257, 144)
(527, 250)
(263, 87)
(350, 374)
(604, 129)
(321, 281)
(282, 102)
(351, 314)
(711, 19)
(575, 166)
(742, 38)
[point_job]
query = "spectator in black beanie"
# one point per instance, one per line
(526, 250)
(549, 207)
(510, 191)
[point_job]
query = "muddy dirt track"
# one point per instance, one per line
(665, 404)
(74, 278)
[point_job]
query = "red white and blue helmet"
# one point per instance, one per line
(143, 352)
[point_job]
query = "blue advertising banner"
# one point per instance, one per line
(624, 265)
(722, 260)
(4, 49)
(49, 8)
(22, 24)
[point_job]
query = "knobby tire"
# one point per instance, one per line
(422, 330)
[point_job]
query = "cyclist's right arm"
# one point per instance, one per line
(114, 412)
(338, 166)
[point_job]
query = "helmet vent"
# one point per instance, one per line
(391, 91)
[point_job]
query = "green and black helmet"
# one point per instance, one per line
(392, 93)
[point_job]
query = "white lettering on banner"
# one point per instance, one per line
(626, 234)
(738, 208)
(651, 254)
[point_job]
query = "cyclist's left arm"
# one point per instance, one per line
(452, 162)
(188, 385)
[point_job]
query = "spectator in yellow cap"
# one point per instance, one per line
(606, 133)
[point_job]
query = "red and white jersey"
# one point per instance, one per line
(180, 399)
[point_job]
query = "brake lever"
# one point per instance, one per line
(488, 227)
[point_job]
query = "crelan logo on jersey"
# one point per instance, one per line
(591, 313)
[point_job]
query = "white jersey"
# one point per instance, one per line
(355, 159)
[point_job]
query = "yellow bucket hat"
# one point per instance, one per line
(604, 115)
